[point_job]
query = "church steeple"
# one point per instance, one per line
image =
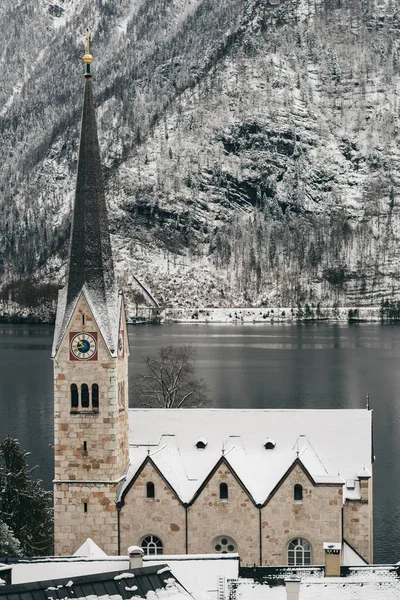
(90, 354)
(90, 263)
(88, 58)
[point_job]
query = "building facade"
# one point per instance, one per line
(272, 485)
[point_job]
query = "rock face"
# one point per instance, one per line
(250, 148)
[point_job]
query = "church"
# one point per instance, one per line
(271, 485)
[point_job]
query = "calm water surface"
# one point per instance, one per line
(257, 366)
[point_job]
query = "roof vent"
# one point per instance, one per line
(269, 444)
(201, 443)
(350, 484)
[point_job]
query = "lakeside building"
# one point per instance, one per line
(272, 485)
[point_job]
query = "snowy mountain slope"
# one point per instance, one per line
(250, 148)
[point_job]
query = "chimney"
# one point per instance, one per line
(332, 559)
(292, 589)
(135, 557)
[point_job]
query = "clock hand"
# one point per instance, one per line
(79, 345)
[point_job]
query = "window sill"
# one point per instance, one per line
(84, 412)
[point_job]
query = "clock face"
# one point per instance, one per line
(83, 346)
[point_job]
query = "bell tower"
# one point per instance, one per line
(90, 354)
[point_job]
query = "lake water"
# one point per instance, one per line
(257, 366)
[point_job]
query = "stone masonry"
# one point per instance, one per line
(236, 517)
(316, 518)
(163, 515)
(91, 446)
(357, 517)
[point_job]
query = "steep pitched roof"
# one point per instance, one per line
(332, 445)
(90, 548)
(91, 269)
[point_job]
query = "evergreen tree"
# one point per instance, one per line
(9, 545)
(24, 506)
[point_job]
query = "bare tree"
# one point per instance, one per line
(138, 298)
(169, 380)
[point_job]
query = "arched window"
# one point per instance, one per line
(224, 544)
(150, 492)
(95, 397)
(74, 396)
(298, 492)
(223, 491)
(151, 544)
(299, 552)
(84, 396)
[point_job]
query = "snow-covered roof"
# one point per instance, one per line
(199, 573)
(332, 445)
(369, 583)
(150, 582)
(106, 311)
(350, 558)
(90, 548)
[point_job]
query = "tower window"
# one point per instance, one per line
(95, 397)
(83, 319)
(84, 396)
(74, 396)
(150, 492)
(151, 544)
(223, 491)
(298, 492)
(85, 504)
(85, 447)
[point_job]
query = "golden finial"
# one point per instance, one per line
(88, 58)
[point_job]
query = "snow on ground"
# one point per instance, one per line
(199, 573)
(377, 585)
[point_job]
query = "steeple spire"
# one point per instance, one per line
(88, 58)
(90, 263)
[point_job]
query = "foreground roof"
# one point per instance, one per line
(332, 445)
(118, 585)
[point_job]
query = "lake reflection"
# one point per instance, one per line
(256, 366)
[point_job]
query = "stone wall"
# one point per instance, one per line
(237, 517)
(357, 517)
(317, 518)
(90, 445)
(163, 516)
(72, 525)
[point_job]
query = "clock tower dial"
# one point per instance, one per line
(83, 346)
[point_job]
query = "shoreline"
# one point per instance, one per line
(245, 315)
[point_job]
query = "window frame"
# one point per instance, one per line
(301, 549)
(150, 490)
(223, 491)
(227, 545)
(154, 542)
(74, 391)
(298, 492)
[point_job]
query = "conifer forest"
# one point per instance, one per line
(250, 148)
